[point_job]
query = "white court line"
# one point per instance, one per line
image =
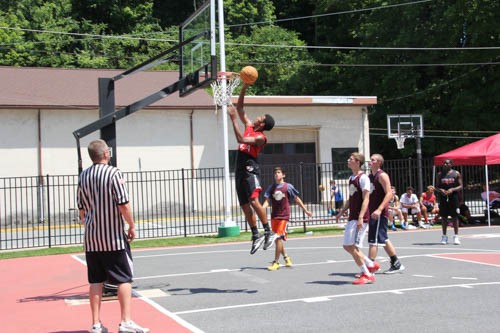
(331, 297)
(463, 278)
(213, 271)
(289, 248)
(227, 251)
(327, 262)
(155, 305)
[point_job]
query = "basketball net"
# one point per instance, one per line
(400, 141)
(223, 96)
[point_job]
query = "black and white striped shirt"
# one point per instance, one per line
(101, 188)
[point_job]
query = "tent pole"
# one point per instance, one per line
(487, 194)
(434, 175)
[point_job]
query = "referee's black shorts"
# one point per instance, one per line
(113, 267)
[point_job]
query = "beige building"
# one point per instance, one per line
(41, 107)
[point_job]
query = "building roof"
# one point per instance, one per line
(69, 88)
(38, 87)
(308, 100)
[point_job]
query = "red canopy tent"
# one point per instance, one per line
(483, 152)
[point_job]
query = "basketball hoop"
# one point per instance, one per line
(223, 96)
(400, 141)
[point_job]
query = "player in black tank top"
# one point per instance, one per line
(448, 187)
(380, 196)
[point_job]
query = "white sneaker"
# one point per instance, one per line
(456, 240)
(444, 240)
(130, 326)
(98, 329)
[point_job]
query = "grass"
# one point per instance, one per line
(172, 241)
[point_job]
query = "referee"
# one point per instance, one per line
(103, 203)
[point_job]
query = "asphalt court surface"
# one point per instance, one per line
(222, 288)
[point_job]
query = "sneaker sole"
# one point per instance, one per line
(270, 243)
(400, 270)
(258, 243)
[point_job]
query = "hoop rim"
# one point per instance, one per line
(227, 75)
(400, 141)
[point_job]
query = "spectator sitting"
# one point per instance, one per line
(410, 205)
(428, 205)
(494, 197)
(394, 209)
(465, 217)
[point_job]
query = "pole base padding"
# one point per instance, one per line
(229, 231)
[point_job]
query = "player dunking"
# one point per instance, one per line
(247, 173)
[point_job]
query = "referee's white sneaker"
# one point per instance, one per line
(456, 240)
(131, 327)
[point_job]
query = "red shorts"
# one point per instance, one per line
(279, 227)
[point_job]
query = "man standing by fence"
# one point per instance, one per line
(448, 186)
(103, 204)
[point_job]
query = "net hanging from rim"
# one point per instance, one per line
(400, 141)
(223, 96)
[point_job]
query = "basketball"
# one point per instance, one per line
(249, 74)
(321, 187)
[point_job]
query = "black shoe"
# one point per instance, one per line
(270, 238)
(257, 241)
(395, 268)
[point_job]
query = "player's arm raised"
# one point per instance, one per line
(252, 140)
(241, 111)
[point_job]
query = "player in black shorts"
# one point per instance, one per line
(448, 186)
(247, 173)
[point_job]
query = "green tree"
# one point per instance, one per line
(242, 16)
(448, 96)
(276, 65)
(52, 34)
(174, 12)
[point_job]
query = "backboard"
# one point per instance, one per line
(405, 125)
(197, 52)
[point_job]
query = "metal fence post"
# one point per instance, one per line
(301, 182)
(47, 183)
(184, 208)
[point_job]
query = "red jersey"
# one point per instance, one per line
(356, 197)
(428, 200)
(251, 150)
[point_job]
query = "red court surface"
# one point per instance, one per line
(49, 295)
(480, 258)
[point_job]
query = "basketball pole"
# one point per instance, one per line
(228, 227)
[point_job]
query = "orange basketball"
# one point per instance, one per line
(249, 74)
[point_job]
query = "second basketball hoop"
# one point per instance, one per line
(400, 141)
